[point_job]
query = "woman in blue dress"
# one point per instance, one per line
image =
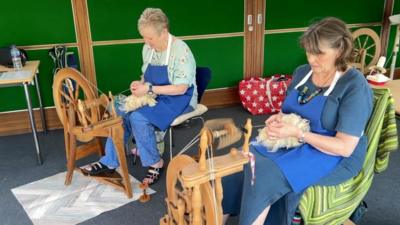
(169, 71)
(337, 101)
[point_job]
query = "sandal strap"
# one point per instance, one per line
(96, 166)
(153, 174)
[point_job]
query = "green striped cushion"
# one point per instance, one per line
(334, 204)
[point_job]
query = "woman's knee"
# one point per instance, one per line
(137, 119)
(135, 116)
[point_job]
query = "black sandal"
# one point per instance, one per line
(153, 175)
(95, 169)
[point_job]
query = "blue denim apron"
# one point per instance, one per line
(168, 107)
(305, 165)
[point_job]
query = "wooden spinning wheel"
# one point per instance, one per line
(87, 118)
(194, 190)
(367, 47)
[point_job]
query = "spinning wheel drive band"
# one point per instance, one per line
(367, 46)
(180, 198)
(65, 80)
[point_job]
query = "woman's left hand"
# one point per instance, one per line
(282, 130)
(140, 90)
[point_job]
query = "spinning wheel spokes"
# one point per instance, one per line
(367, 48)
(179, 198)
(68, 88)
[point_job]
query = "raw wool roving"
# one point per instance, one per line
(133, 102)
(273, 144)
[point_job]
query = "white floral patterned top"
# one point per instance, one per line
(181, 65)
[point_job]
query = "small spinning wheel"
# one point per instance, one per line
(87, 118)
(367, 47)
(194, 190)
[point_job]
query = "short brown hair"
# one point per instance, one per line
(154, 17)
(334, 32)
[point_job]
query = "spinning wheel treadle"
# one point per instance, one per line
(87, 118)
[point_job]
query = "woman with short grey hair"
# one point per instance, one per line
(154, 17)
(169, 71)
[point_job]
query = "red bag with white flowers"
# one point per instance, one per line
(264, 95)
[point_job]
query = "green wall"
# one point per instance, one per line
(112, 21)
(295, 13)
(27, 22)
(115, 20)
(282, 50)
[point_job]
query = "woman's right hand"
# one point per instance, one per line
(135, 84)
(273, 119)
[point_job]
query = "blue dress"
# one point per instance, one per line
(281, 177)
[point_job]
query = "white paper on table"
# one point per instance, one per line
(15, 75)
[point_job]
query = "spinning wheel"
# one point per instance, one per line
(194, 190)
(87, 118)
(367, 46)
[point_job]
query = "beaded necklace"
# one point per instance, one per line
(303, 98)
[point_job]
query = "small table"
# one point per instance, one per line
(394, 87)
(26, 76)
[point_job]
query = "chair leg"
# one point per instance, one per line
(170, 143)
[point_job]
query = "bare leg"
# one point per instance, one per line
(159, 164)
(261, 218)
(225, 218)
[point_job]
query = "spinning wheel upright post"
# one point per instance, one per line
(86, 118)
(194, 190)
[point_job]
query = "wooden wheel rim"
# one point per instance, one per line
(81, 85)
(173, 172)
(361, 46)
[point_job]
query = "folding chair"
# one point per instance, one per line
(203, 77)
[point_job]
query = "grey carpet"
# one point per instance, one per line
(18, 167)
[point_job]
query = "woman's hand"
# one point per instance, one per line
(135, 84)
(279, 130)
(140, 89)
(274, 118)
